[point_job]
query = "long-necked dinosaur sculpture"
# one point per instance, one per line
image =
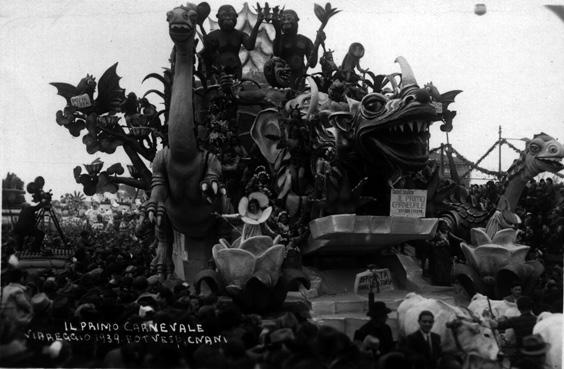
(543, 153)
(493, 259)
(185, 178)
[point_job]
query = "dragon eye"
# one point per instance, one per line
(553, 149)
(373, 103)
(534, 148)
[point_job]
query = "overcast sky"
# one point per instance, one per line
(509, 63)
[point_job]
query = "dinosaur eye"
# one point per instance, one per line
(534, 148)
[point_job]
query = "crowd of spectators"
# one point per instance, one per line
(541, 209)
(110, 279)
(115, 285)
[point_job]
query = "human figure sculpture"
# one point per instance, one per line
(293, 47)
(352, 62)
(221, 47)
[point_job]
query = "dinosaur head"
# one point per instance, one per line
(182, 22)
(543, 154)
(395, 129)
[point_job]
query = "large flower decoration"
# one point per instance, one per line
(488, 256)
(259, 257)
(254, 209)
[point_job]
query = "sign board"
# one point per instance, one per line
(81, 101)
(380, 279)
(408, 203)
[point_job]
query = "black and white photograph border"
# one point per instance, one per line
(382, 189)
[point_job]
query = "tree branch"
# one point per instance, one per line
(133, 182)
(143, 151)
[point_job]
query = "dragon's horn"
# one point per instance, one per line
(407, 77)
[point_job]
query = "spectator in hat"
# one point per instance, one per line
(522, 325)
(377, 328)
(42, 311)
(533, 353)
(16, 304)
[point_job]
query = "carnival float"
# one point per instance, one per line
(258, 164)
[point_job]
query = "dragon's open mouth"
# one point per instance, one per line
(180, 31)
(404, 143)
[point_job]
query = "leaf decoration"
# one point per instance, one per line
(156, 92)
(109, 145)
(324, 14)
(116, 168)
(77, 171)
(92, 145)
(156, 76)
(88, 184)
(105, 184)
(319, 12)
(92, 124)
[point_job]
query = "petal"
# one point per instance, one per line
(249, 220)
(257, 244)
(505, 237)
(478, 236)
(216, 248)
(243, 203)
(236, 243)
(490, 258)
(236, 266)
(265, 215)
(270, 262)
(468, 251)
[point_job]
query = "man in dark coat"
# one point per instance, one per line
(423, 345)
(377, 328)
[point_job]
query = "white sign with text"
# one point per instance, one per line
(378, 279)
(408, 203)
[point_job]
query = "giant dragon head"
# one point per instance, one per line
(395, 129)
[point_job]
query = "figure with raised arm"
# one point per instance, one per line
(221, 47)
(293, 47)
